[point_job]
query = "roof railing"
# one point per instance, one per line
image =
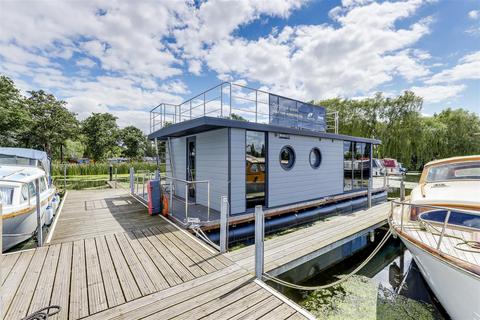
(238, 102)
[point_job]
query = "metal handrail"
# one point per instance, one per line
(187, 183)
(159, 115)
(414, 205)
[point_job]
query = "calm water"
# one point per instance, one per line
(390, 286)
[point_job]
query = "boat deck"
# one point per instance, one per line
(126, 264)
(452, 240)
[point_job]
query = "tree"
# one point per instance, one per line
(14, 117)
(134, 142)
(74, 149)
(101, 133)
(51, 124)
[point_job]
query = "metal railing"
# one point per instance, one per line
(404, 209)
(237, 102)
(170, 181)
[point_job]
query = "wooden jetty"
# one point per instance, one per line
(108, 259)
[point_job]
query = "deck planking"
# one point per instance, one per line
(291, 248)
(89, 213)
(135, 266)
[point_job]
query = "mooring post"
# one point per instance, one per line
(369, 193)
(385, 178)
(402, 190)
(132, 185)
(65, 177)
(39, 213)
(259, 235)
(224, 225)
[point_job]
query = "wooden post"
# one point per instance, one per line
(65, 177)
(132, 175)
(224, 225)
(402, 189)
(39, 213)
(259, 235)
(385, 178)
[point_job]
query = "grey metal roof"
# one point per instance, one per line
(202, 124)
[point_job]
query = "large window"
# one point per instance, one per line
(356, 165)
(347, 165)
(255, 153)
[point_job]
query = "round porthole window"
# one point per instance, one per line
(315, 158)
(287, 157)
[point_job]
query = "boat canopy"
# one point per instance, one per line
(24, 153)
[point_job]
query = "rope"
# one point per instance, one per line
(339, 281)
(199, 233)
(44, 313)
(472, 244)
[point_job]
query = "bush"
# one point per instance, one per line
(98, 168)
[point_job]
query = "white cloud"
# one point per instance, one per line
(474, 14)
(315, 61)
(438, 93)
(85, 62)
(141, 49)
(468, 68)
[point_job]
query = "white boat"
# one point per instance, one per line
(20, 169)
(440, 226)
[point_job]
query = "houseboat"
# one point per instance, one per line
(20, 171)
(440, 226)
(259, 148)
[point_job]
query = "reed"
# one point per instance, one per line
(100, 168)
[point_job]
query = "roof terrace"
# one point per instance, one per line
(238, 102)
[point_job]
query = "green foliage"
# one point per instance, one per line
(100, 168)
(102, 134)
(235, 116)
(74, 149)
(14, 118)
(406, 135)
(134, 142)
(52, 123)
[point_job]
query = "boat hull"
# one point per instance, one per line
(23, 226)
(456, 289)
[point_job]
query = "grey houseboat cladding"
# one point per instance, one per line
(286, 157)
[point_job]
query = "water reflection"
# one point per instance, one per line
(390, 286)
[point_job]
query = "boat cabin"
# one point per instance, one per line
(256, 148)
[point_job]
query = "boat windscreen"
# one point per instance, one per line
(461, 219)
(454, 171)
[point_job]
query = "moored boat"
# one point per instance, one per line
(440, 226)
(20, 171)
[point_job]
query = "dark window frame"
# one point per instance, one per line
(292, 164)
(318, 158)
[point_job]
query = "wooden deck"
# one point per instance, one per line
(89, 213)
(108, 259)
(290, 250)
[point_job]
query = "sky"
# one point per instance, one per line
(125, 57)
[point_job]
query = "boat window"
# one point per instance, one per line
(24, 193)
(287, 157)
(454, 171)
(43, 185)
(315, 158)
(6, 195)
(31, 189)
